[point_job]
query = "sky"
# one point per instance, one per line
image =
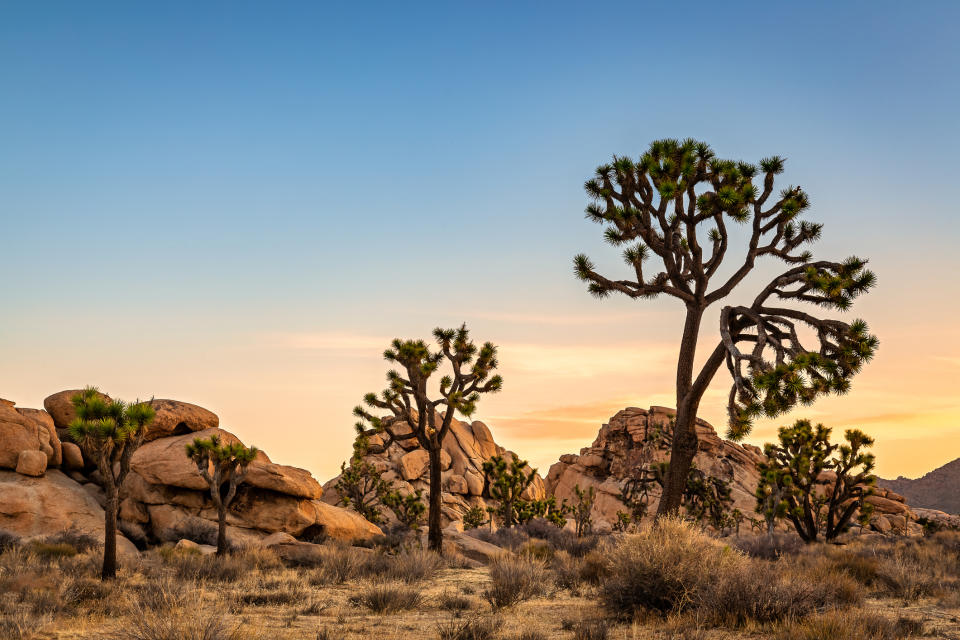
(240, 204)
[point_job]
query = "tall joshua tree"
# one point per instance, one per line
(229, 463)
(674, 204)
(415, 415)
(109, 431)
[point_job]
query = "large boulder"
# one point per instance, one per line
(18, 433)
(47, 433)
(31, 463)
(36, 507)
(60, 406)
(466, 447)
(176, 418)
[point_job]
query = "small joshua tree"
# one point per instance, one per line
(229, 464)
(770, 494)
(360, 485)
(417, 416)
(674, 204)
(408, 509)
(506, 483)
(707, 499)
(548, 509)
(799, 463)
(582, 509)
(109, 432)
(474, 517)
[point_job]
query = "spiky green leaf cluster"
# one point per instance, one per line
(102, 422)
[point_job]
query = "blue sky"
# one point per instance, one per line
(180, 175)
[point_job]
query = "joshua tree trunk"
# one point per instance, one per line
(110, 535)
(684, 445)
(435, 534)
(221, 528)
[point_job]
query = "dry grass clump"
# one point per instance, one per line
(850, 625)
(515, 578)
(270, 591)
(387, 597)
(675, 568)
(455, 601)
(181, 624)
(414, 565)
(769, 546)
(476, 628)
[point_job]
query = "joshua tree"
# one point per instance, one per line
(230, 463)
(108, 432)
(408, 509)
(415, 416)
(815, 501)
(474, 517)
(582, 509)
(675, 203)
(506, 484)
(361, 485)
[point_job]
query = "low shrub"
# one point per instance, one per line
(849, 625)
(769, 547)
(8, 540)
(387, 597)
(180, 624)
(51, 551)
(591, 630)
(77, 539)
(200, 568)
(515, 578)
(455, 602)
(414, 565)
(477, 628)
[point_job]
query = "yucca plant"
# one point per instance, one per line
(109, 432)
(425, 415)
(674, 205)
(220, 463)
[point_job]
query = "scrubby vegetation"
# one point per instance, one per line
(671, 581)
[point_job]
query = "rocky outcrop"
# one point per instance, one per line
(634, 437)
(467, 446)
(936, 490)
(164, 495)
(25, 439)
(36, 507)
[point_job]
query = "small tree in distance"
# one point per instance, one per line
(109, 432)
(415, 415)
(506, 484)
(361, 486)
(796, 469)
(674, 204)
(229, 463)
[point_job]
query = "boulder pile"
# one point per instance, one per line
(465, 449)
(47, 485)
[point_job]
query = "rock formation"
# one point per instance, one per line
(937, 490)
(633, 437)
(164, 494)
(466, 448)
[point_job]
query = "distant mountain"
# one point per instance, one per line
(939, 489)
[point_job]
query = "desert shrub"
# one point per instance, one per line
(674, 568)
(591, 630)
(455, 602)
(387, 597)
(77, 539)
(567, 570)
(273, 595)
(532, 634)
(341, 563)
(514, 579)
(83, 564)
(595, 568)
(47, 552)
(849, 625)
(8, 540)
(201, 568)
(196, 530)
(949, 540)
(414, 565)
(477, 628)
(537, 549)
(21, 624)
(161, 593)
(659, 569)
(769, 547)
(559, 539)
(180, 624)
(76, 592)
